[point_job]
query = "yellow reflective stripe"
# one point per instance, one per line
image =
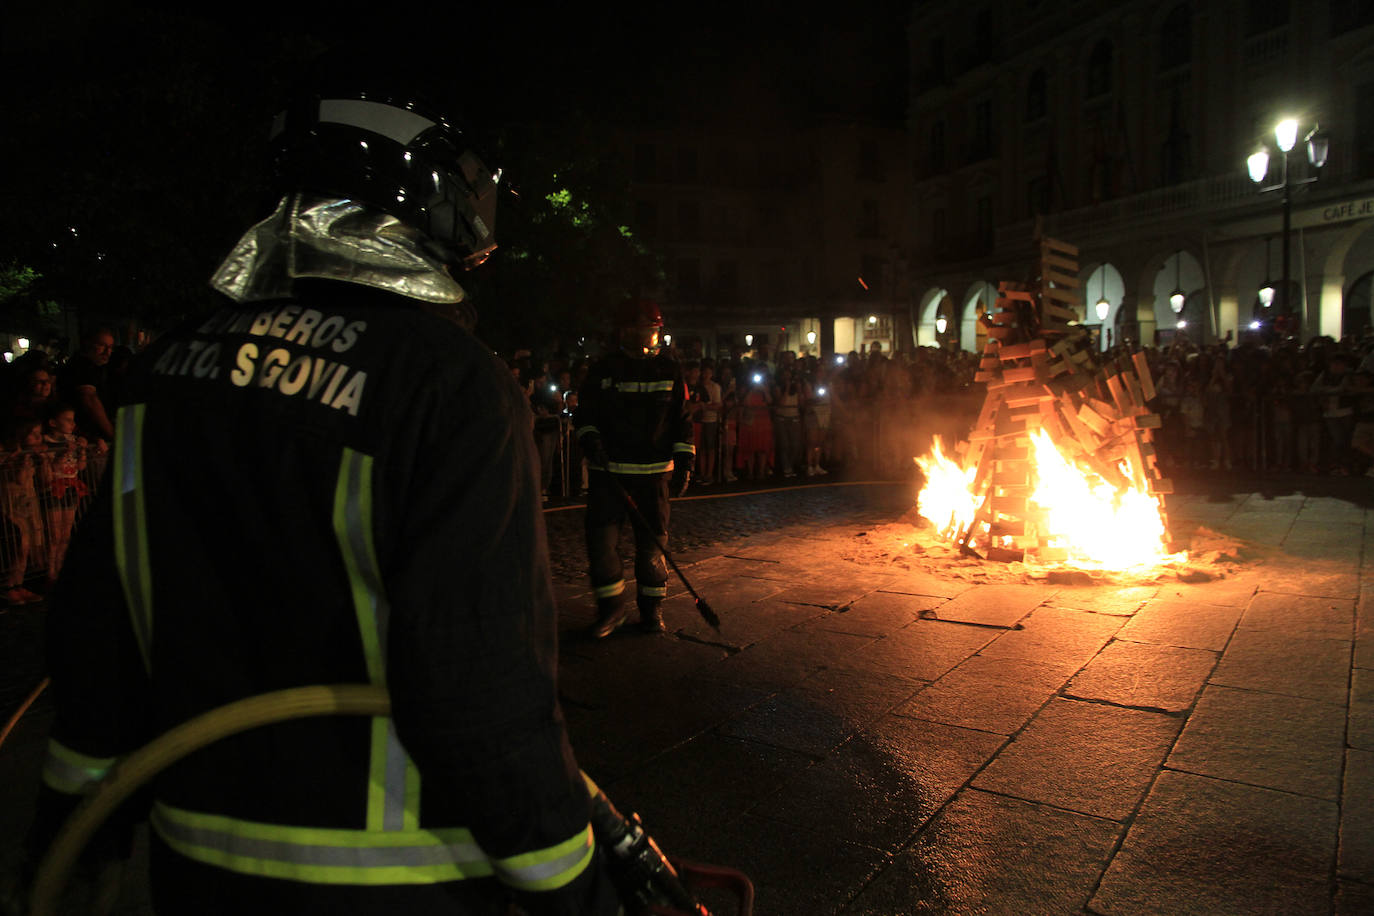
(72, 773)
(550, 868)
(319, 855)
(663, 385)
(610, 591)
(654, 591)
(131, 527)
(684, 447)
(626, 467)
(393, 784)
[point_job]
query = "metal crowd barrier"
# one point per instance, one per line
(43, 493)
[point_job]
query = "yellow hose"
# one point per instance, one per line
(136, 769)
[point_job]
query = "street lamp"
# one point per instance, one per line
(1103, 306)
(1286, 137)
(940, 324)
(1266, 292)
(1178, 297)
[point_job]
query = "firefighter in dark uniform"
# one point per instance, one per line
(331, 480)
(633, 427)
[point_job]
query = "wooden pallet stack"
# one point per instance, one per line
(1042, 373)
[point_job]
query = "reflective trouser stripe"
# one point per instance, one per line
(660, 385)
(393, 794)
(335, 856)
(687, 447)
(625, 467)
(548, 868)
(611, 590)
(653, 591)
(131, 527)
(69, 772)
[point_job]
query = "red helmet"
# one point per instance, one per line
(634, 313)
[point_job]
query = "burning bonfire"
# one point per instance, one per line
(1059, 467)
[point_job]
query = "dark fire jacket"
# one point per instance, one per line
(637, 407)
(336, 489)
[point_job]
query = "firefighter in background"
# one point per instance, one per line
(633, 426)
(328, 480)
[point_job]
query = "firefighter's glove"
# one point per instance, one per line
(594, 450)
(682, 474)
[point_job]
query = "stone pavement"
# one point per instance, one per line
(864, 738)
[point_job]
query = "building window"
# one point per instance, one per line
(646, 166)
(1364, 131)
(869, 222)
(937, 146)
(873, 270)
(688, 221)
(1038, 196)
(687, 164)
(1265, 15)
(983, 220)
(1099, 76)
(646, 219)
(1035, 96)
(981, 141)
(870, 163)
(727, 281)
(1348, 15)
(689, 278)
(1176, 38)
(1176, 151)
(982, 31)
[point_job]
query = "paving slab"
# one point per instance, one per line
(1200, 847)
(991, 694)
(991, 855)
(1172, 622)
(923, 650)
(1120, 601)
(994, 605)
(1286, 662)
(789, 657)
(1359, 731)
(879, 613)
(1328, 540)
(821, 712)
(1235, 591)
(1085, 757)
(883, 784)
(1316, 576)
(1163, 678)
(920, 582)
(1364, 628)
(1356, 860)
(1062, 637)
(1313, 617)
(1282, 742)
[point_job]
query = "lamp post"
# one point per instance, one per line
(1285, 138)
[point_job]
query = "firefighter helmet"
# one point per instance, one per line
(395, 152)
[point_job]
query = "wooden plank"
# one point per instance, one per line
(1120, 397)
(1005, 554)
(1142, 371)
(1093, 420)
(1053, 259)
(1048, 243)
(1161, 487)
(1026, 374)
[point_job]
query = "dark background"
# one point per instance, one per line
(134, 135)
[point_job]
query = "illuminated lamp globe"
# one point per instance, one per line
(1286, 134)
(940, 324)
(811, 337)
(1176, 300)
(668, 339)
(1266, 295)
(748, 340)
(1255, 325)
(1183, 322)
(872, 319)
(1103, 307)
(23, 343)
(1258, 164)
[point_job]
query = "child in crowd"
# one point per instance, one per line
(20, 448)
(61, 485)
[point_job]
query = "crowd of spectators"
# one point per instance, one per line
(760, 415)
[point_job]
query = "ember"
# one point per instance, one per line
(1059, 467)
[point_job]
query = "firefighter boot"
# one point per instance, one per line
(650, 617)
(610, 613)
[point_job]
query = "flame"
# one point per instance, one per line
(947, 499)
(1098, 525)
